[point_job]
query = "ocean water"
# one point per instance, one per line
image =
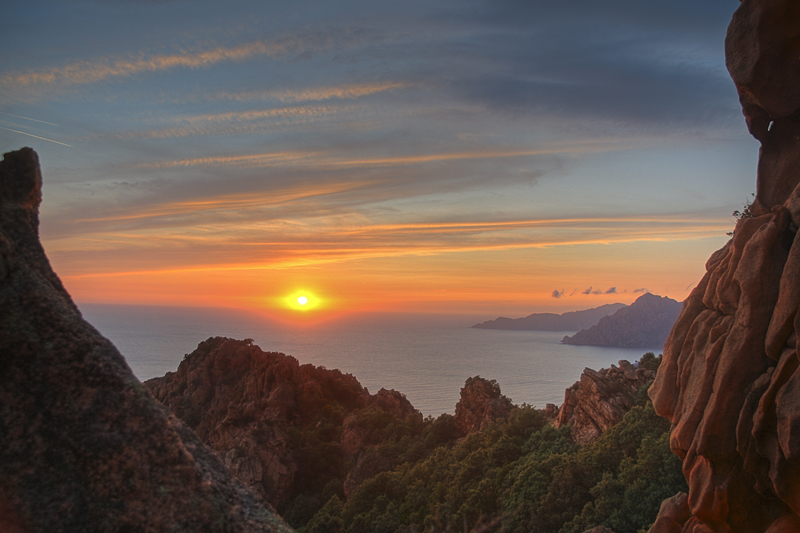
(426, 357)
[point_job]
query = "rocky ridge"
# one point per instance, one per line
(730, 380)
(243, 402)
(645, 323)
(600, 399)
(83, 444)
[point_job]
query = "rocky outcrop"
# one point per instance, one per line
(730, 380)
(481, 403)
(600, 399)
(83, 445)
(572, 321)
(645, 323)
(247, 403)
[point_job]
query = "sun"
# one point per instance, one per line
(302, 300)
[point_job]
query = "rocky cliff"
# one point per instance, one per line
(83, 445)
(645, 323)
(258, 409)
(600, 399)
(730, 380)
(572, 321)
(481, 403)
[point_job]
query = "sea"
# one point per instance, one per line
(427, 357)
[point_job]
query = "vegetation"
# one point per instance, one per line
(744, 213)
(520, 474)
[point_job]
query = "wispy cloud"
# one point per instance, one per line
(27, 118)
(235, 122)
(329, 159)
(341, 92)
(227, 202)
(83, 72)
(37, 137)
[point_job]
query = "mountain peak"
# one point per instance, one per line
(645, 323)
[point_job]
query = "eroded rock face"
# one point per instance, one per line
(481, 403)
(600, 399)
(83, 444)
(243, 402)
(762, 51)
(729, 382)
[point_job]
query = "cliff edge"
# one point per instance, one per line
(730, 379)
(83, 445)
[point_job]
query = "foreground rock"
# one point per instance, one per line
(730, 380)
(83, 445)
(645, 323)
(600, 399)
(255, 409)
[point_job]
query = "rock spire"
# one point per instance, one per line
(83, 444)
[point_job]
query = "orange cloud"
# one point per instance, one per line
(324, 159)
(229, 202)
(342, 92)
(84, 72)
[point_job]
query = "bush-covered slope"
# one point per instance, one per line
(332, 457)
(520, 475)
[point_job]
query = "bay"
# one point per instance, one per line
(426, 357)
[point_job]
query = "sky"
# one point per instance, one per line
(484, 157)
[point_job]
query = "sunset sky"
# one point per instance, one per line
(485, 157)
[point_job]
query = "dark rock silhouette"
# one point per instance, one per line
(730, 380)
(481, 403)
(243, 402)
(645, 323)
(600, 399)
(83, 445)
(572, 321)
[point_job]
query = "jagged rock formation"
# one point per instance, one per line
(245, 402)
(730, 380)
(600, 399)
(83, 445)
(572, 321)
(481, 403)
(645, 323)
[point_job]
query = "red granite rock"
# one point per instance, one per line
(600, 399)
(730, 380)
(481, 403)
(83, 444)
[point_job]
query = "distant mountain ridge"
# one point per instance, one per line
(645, 323)
(571, 321)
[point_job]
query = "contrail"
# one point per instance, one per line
(26, 118)
(37, 137)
